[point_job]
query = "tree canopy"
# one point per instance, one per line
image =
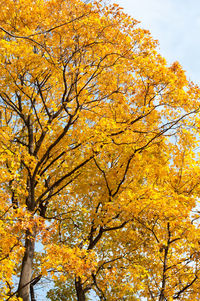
(99, 158)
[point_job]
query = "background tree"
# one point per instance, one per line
(87, 109)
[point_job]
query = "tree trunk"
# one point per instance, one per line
(26, 270)
(32, 293)
(79, 290)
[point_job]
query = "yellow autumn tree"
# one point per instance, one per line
(97, 157)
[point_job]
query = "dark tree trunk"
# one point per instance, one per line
(79, 290)
(26, 270)
(32, 293)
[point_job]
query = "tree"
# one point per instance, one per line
(93, 126)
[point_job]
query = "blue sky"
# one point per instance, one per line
(176, 24)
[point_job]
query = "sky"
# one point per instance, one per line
(176, 25)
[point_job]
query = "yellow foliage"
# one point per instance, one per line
(98, 139)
